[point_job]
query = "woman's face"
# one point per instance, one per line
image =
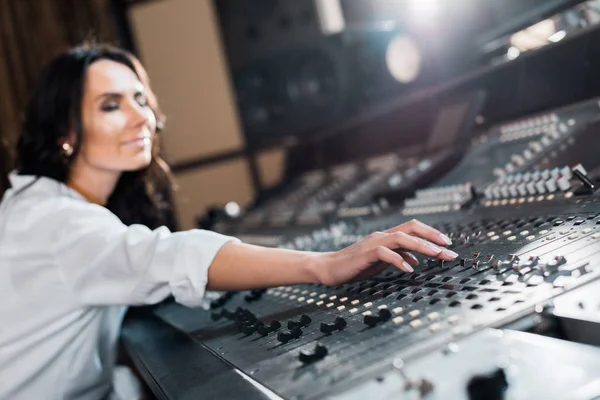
(118, 125)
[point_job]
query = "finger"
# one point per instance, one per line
(382, 253)
(404, 241)
(422, 230)
(409, 258)
(371, 271)
(376, 236)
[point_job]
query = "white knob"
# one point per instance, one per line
(566, 172)
(563, 183)
(551, 185)
(540, 187)
(522, 189)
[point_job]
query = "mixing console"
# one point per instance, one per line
(346, 190)
(538, 142)
(333, 338)
(524, 217)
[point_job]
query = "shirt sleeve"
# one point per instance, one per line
(104, 262)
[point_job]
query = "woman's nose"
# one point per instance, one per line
(139, 114)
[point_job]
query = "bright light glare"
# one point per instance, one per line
(558, 36)
(331, 16)
(513, 53)
(535, 36)
(232, 209)
(403, 58)
(424, 9)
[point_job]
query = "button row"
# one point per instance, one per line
(530, 184)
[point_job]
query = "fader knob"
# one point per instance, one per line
(337, 325)
(371, 320)
(275, 325)
(248, 329)
(566, 172)
(488, 387)
(581, 174)
(302, 322)
(540, 187)
(551, 185)
(318, 353)
(563, 183)
(228, 314)
(384, 315)
(545, 174)
(285, 337)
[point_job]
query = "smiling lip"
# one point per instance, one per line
(139, 141)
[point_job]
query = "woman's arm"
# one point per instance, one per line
(239, 266)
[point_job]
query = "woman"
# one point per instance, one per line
(76, 244)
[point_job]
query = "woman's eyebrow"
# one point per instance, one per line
(110, 95)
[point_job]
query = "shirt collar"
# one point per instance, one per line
(37, 184)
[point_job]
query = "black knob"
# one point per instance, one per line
(340, 323)
(240, 311)
(220, 302)
(217, 303)
(285, 337)
(255, 295)
(337, 325)
(296, 332)
(371, 320)
(263, 330)
(302, 322)
(248, 329)
(228, 314)
(384, 315)
(275, 325)
(250, 318)
(488, 386)
(250, 298)
(305, 320)
(318, 353)
(327, 328)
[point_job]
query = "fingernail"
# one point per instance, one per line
(450, 253)
(445, 239)
(434, 248)
(413, 258)
(407, 266)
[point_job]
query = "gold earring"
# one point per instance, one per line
(67, 149)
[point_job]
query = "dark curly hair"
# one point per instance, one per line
(140, 197)
(5, 165)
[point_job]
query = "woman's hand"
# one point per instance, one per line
(371, 255)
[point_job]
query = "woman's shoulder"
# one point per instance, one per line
(35, 202)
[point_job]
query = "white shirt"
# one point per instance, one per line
(68, 269)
